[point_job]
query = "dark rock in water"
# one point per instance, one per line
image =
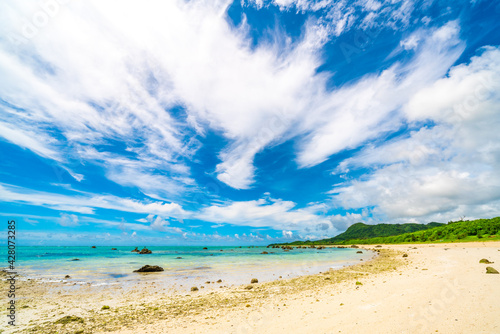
(354, 246)
(359, 252)
(178, 257)
(114, 249)
(254, 280)
(148, 269)
(145, 251)
(94, 247)
(405, 255)
(75, 260)
(486, 261)
(205, 248)
(219, 281)
(264, 253)
(194, 288)
(491, 270)
(136, 250)
(67, 276)
(211, 255)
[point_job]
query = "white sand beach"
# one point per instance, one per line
(437, 288)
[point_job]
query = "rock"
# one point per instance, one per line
(359, 252)
(354, 246)
(254, 280)
(114, 249)
(145, 251)
(148, 269)
(378, 246)
(327, 278)
(264, 253)
(94, 247)
(194, 288)
(249, 287)
(359, 283)
(136, 250)
(68, 319)
(491, 270)
(281, 277)
(205, 248)
(67, 276)
(405, 255)
(486, 261)
(75, 260)
(219, 281)
(207, 282)
(105, 307)
(178, 257)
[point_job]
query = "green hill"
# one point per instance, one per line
(360, 233)
(363, 231)
(480, 229)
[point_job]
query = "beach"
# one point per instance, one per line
(436, 288)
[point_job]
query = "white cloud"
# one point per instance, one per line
(68, 220)
(441, 172)
(99, 87)
(351, 115)
(273, 213)
(87, 202)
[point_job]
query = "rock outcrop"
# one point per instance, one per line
(148, 269)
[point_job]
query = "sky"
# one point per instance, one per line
(248, 122)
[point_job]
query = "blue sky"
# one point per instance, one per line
(246, 122)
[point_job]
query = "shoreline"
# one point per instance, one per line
(424, 291)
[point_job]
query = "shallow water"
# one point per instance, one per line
(234, 265)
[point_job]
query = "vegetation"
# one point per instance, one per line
(463, 230)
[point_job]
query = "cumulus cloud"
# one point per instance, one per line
(443, 171)
(272, 213)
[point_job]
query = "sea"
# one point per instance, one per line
(184, 266)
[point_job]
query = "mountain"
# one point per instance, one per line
(364, 231)
(463, 230)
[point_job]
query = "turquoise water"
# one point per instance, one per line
(234, 265)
